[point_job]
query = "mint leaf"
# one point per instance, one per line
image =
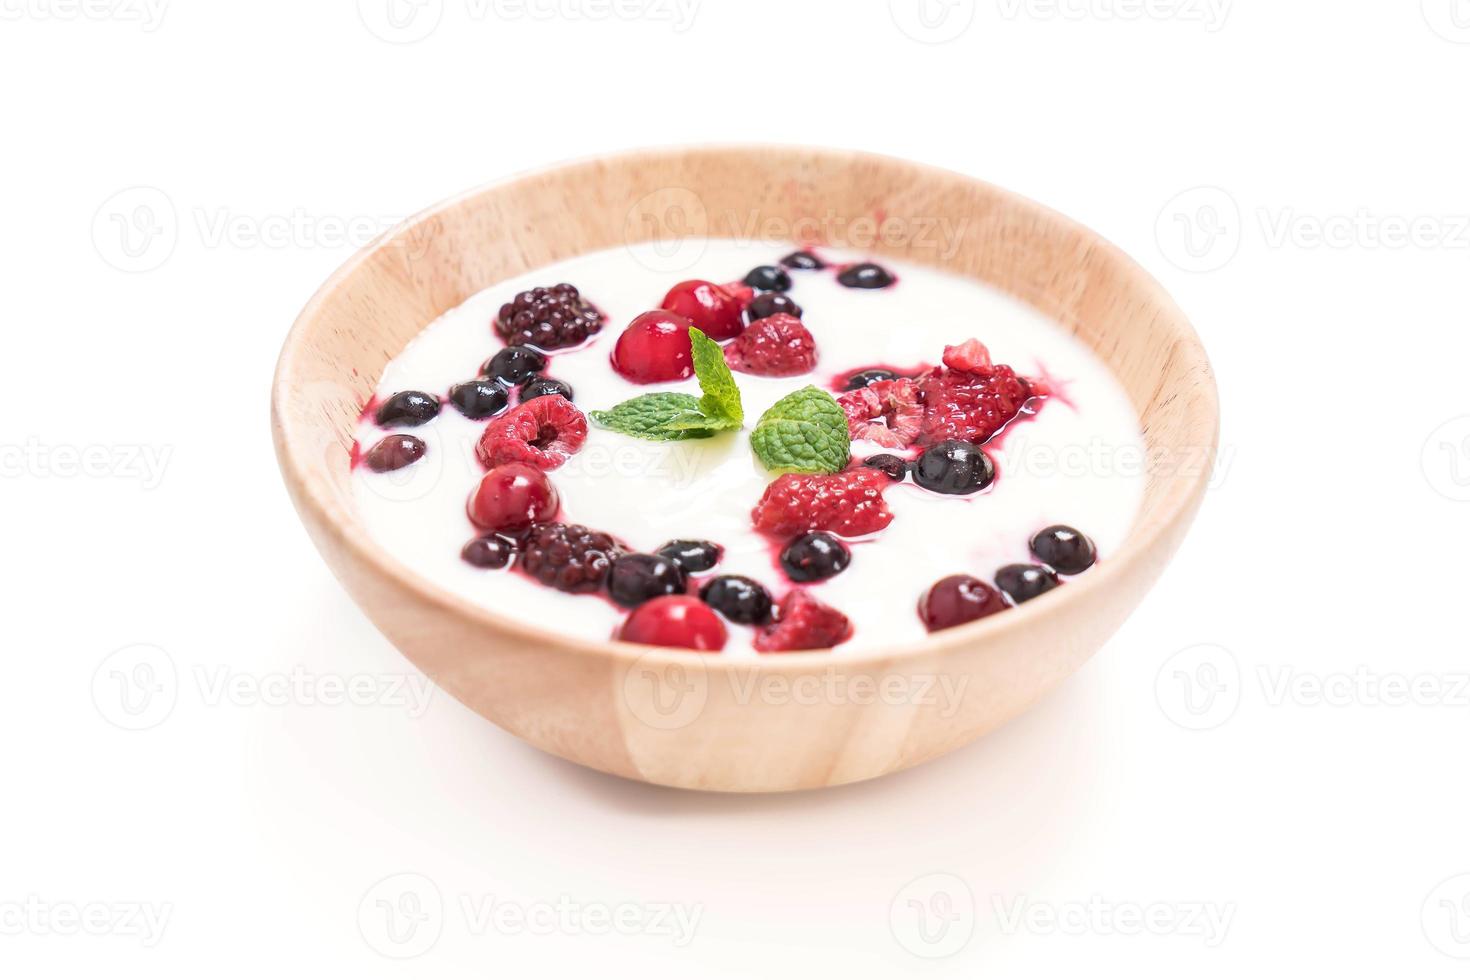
(805, 432)
(668, 415)
(650, 416)
(721, 396)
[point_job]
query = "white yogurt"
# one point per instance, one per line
(1078, 462)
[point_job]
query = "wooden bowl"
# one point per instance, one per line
(783, 722)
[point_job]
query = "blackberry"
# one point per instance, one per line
(742, 600)
(568, 557)
(769, 304)
(548, 318)
(768, 278)
(635, 579)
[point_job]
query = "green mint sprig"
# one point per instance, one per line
(805, 432)
(669, 415)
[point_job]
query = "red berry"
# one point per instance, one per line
(849, 503)
(957, 600)
(970, 399)
(654, 348)
(885, 412)
(675, 621)
(777, 346)
(544, 432)
(394, 452)
(512, 497)
(803, 623)
(709, 307)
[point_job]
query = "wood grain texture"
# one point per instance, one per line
(704, 722)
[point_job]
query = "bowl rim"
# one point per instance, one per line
(1139, 543)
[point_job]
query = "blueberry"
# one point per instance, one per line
(537, 387)
(394, 452)
(1064, 548)
(769, 304)
(895, 466)
(739, 599)
(693, 556)
(865, 275)
(408, 408)
(634, 579)
(1025, 582)
(814, 557)
(954, 466)
(514, 364)
(490, 551)
(864, 378)
(768, 278)
(479, 399)
(805, 261)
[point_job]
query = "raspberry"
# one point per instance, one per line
(970, 399)
(885, 412)
(775, 347)
(544, 432)
(548, 317)
(803, 623)
(568, 557)
(849, 503)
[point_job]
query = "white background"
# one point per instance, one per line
(1325, 831)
